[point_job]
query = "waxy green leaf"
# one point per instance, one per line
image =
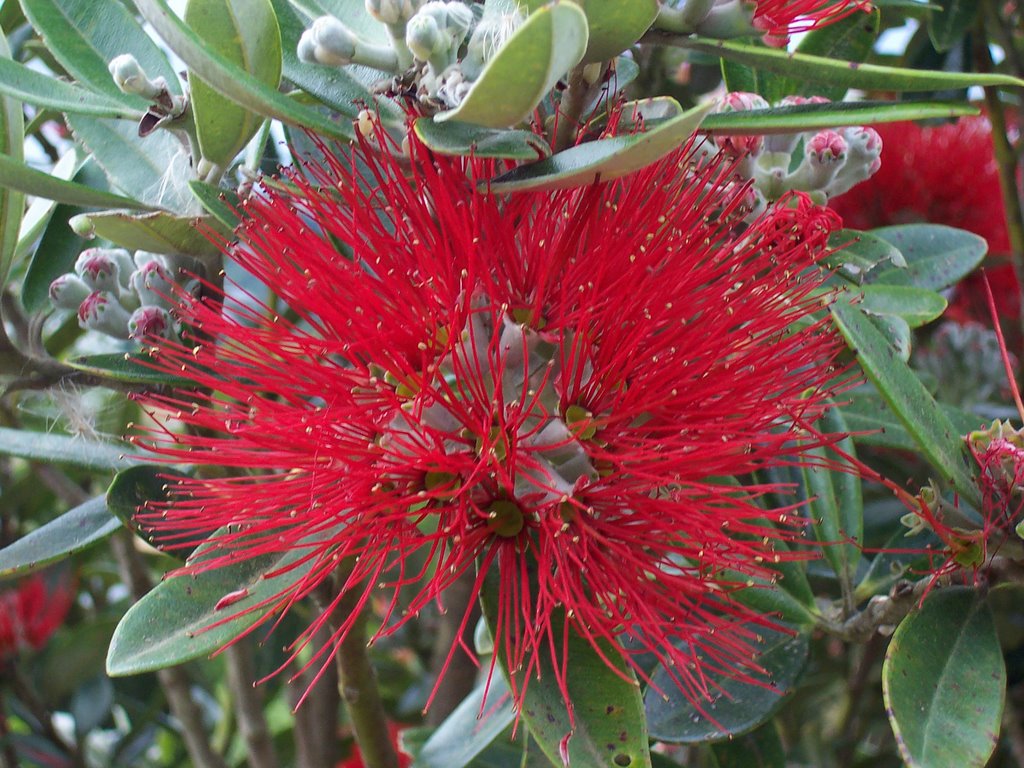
(17, 175)
(916, 306)
(937, 439)
(735, 707)
(603, 159)
(160, 232)
(127, 368)
(525, 69)
(32, 87)
(465, 734)
(455, 138)
(75, 530)
(60, 449)
(936, 256)
(244, 32)
(869, 415)
(131, 489)
(944, 682)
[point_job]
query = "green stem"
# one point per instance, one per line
(570, 108)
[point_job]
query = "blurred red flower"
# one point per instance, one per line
(555, 387)
(31, 612)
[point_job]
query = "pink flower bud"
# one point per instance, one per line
(102, 312)
(826, 147)
(68, 291)
(153, 284)
(739, 146)
(150, 321)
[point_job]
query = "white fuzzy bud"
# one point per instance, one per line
(102, 312)
(130, 77)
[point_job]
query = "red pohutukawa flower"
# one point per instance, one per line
(30, 613)
(781, 18)
(555, 386)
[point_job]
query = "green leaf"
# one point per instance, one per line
(806, 117)
(127, 368)
(602, 159)
(60, 449)
(244, 32)
(56, 255)
(761, 748)
(899, 556)
(608, 710)
(614, 25)
(947, 27)
(768, 598)
(549, 43)
(32, 87)
(455, 138)
(846, 74)
(134, 487)
(152, 170)
(937, 439)
(466, 733)
(869, 415)
(160, 232)
(84, 36)
(739, 77)
(68, 534)
(230, 80)
(944, 682)
(849, 39)
(937, 256)
(179, 620)
(916, 306)
(835, 505)
(17, 175)
(12, 201)
(860, 252)
(37, 217)
(736, 707)
(222, 204)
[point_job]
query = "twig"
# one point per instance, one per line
(316, 721)
(570, 108)
(1013, 729)
(27, 695)
(249, 704)
(173, 680)
(357, 683)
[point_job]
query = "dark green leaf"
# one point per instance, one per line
(222, 204)
(72, 532)
(839, 73)
(60, 449)
(806, 117)
(231, 80)
(860, 252)
(32, 87)
(868, 415)
(523, 71)
(465, 733)
(849, 39)
(244, 32)
(56, 254)
(937, 439)
(735, 706)
(937, 256)
(84, 36)
(129, 368)
(133, 488)
(604, 159)
(17, 175)
(916, 306)
(944, 681)
(947, 27)
(614, 25)
(455, 138)
(176, 621)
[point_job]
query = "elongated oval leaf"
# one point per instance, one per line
(915, 305)
(869, 415)
(736, 707)
(839, 73)
(178, 620)
(937, 439)
(614, 25)
(548, 44)
(12, 201)
(948, 26)
(603, 159)
(159, 231)
(944, 681)
(72, 532)
(134, 487)
(17, 175)
(804, 117)
(39, 212)
(244, 32)
(849, 39)
(230, 80)
(128, 368)
(857, 253)
(24, 84)
(60, 449)
(84, 36)
(936, 256)
(455, 138)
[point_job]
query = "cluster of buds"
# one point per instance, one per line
(116, 294)
(426, 38)
(822, 163)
